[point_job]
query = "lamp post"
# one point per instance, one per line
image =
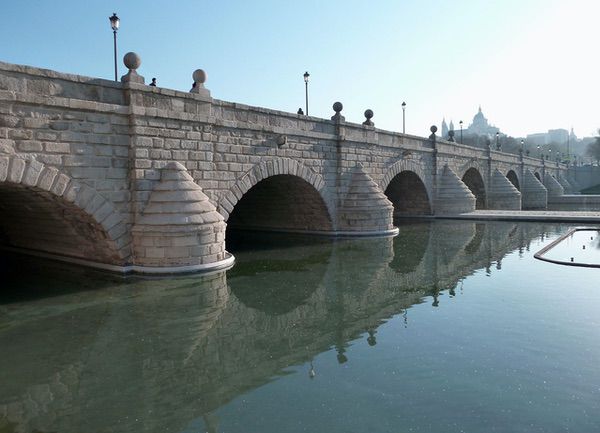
(114, 24)
(306, 75)
(404, 117)
(460, 123)
(497, 144)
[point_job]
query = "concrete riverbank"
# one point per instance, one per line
(547, 216)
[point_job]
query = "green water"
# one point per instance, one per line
(448, 327)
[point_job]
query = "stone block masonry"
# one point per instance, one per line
(137, 178)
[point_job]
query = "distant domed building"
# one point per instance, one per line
(479, 131)
(481, 126)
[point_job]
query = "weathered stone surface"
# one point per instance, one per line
(535, 195)
(17, 168)
(503, 194)
(4, 164)
(32, 173)
(177, 208)
(567, 187)
(365, 207)
(173, 164)
(554, 188)
(453, 196)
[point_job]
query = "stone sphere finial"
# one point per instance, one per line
(338, 107)
(433, 129)
(132, 61)
(369, 116)
(199, 76)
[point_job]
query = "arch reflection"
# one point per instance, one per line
(186, 347)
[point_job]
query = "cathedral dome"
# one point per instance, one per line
(479, 117)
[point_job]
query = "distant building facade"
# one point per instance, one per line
(556, 136)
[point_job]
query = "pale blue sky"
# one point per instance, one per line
(532, 65)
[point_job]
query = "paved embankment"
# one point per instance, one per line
(507, 215)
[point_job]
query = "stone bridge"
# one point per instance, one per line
(130, 177)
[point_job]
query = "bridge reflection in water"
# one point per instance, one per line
(85, 352)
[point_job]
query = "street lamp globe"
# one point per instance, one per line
(306, 75)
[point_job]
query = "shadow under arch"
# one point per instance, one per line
(269, 167)
(45, 211)
(513, 178)
(538, 176)
(472, 178)
(407, 192)
(284, 203)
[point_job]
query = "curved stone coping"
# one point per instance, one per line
(216, 266)
(363, 234)
(540, 254)
(128, 269)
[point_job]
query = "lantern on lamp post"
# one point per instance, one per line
(114, 24)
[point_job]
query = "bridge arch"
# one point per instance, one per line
(473, 179)
(406, 186)
(405, 165)
(44, 210)
(511, 175)
(278, 193)
(408, 194)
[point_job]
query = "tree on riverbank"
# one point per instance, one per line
(593, 149)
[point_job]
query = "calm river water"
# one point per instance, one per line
(448, 327)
